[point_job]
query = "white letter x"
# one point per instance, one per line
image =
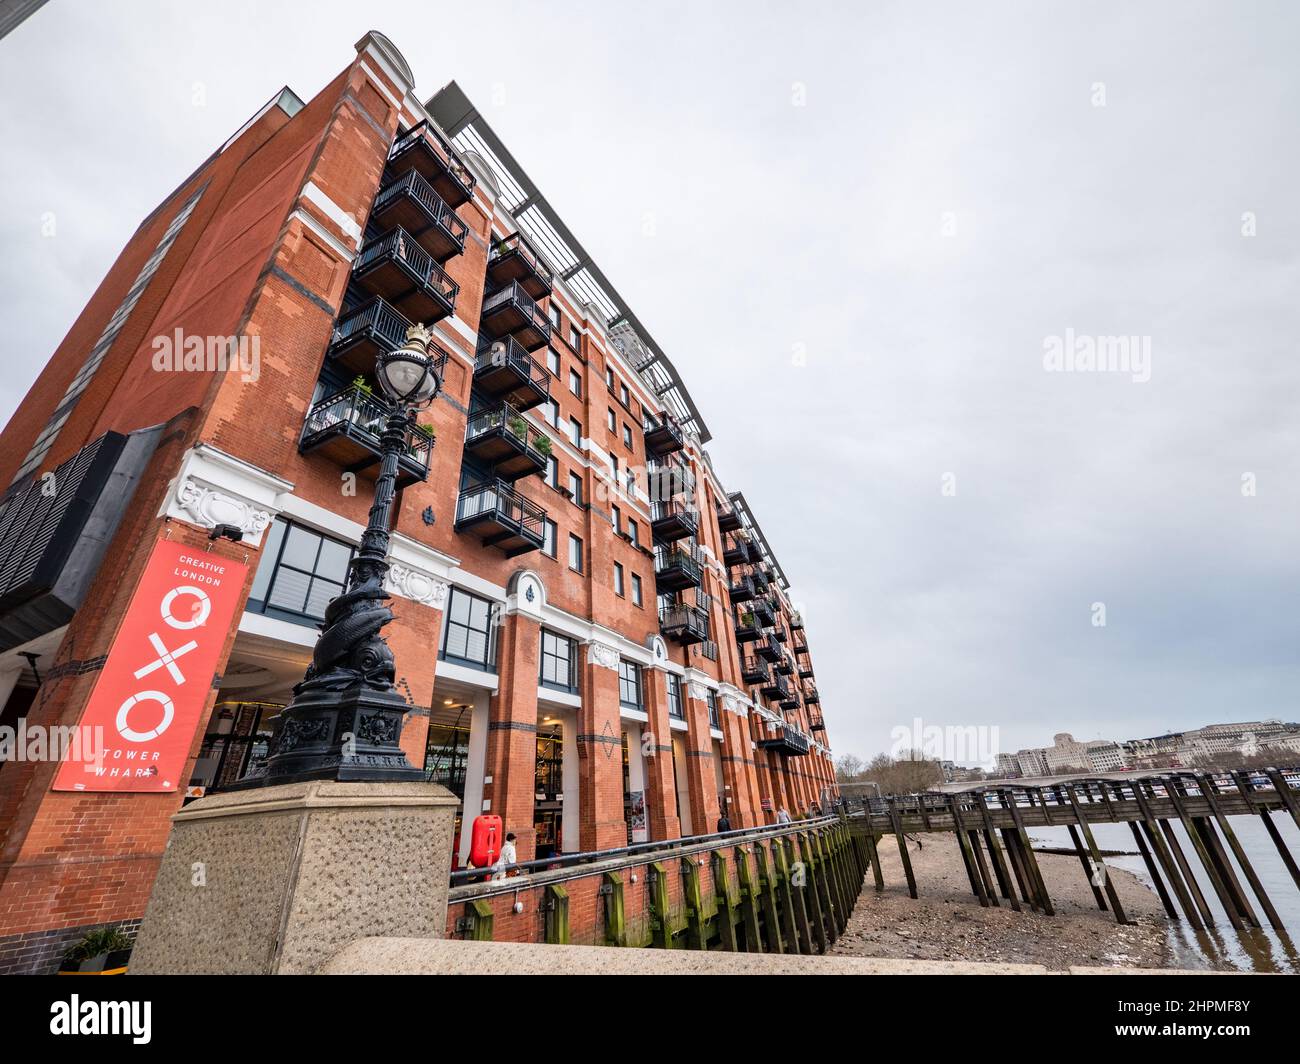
(166, 657)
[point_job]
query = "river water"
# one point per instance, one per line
(1263, 950)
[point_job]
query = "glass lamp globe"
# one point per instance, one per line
(407, 374)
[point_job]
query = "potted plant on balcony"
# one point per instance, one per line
(418, 445)
(543, 444)
(517, 426)
(102, 951)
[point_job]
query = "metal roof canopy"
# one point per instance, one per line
(467, 128)
(747, 515)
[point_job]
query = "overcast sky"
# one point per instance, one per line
(855, 228)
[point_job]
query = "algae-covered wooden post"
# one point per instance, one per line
(479, 914)
(615, 914)
(557, 915)
(767, 887)
(795, 923)
(696, 934)
(661, 927)
(724, 904)
(749, 889)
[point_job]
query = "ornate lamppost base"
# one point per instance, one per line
(344, 735)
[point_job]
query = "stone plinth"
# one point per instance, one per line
(278, 880)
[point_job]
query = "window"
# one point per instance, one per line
(618, 519)
(575, 337)
(467, 637)
(636, 590)
(553, 361)
(551, 411)
(622, 394)
(552, 472)
(575, 382)
(575, 553)
(575, 487)
(554, 312)
(631, 532)
(612, 421)
(548, 537)
(627, 435)
(559, 664)
(575, 431)
(299, 573)
(629, 684)
(609, 379)
(715, 721)
(618, 580)
(675, 708)
(631, 481)
(613, 461)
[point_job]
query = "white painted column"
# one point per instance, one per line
(570, 820)
(478, 733)
(683, 786)
(636, 771)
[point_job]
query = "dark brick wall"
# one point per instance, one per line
(39, 952)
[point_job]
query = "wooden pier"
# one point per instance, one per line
(991, 825)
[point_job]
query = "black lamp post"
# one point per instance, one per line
(346, 718)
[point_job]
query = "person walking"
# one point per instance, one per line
(724, 824)
(507, 859)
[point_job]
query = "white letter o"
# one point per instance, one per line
(132, 736)
(202, 610)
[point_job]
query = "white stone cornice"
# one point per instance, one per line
(214, 488)
(418, 572)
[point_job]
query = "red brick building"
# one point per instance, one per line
(595, 638)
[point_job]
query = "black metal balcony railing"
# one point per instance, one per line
(504, 439)
(671, 520)
(395, 267)
(684, 623)
(735, 550)
(776, 687)
(362, 335)
(800, 644)
(424, 149)
(764, 610)
(796, 621)
(786, 740)
(669, 477)
(754, 670)
(782, 636)
(784, 665)
(805, 669)
(663, 434)
(513, 258)
(504, 517)
(503, 369)
(746, 627)
(789, 705)
(816, 723)
(409, 202)
(810, 695)
(728, 519)
(677, 568)
(741, 588)
(511, 311)
(760, 576)
(346, 427)
(768, 648)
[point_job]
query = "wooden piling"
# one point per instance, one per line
(1198, 844)
(724, 904)
(902, 845)
(1111, 894)
(749, 902)
(1088, 871)
(1030, 862)
(1164, 845)
(1207, 789)
(1247, 788)
(615, 918)
(775, 939)
(1170, 910)
(873, 856)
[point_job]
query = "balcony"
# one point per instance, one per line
(760, 574)
(684, 623)
(346, 428)
(511, 311)
(782, 636)
(502, 438)
(409, 202)
(754, 671)
(801, 644)
(422, 148)
(796, 621)
(741, 588)
(768, 648)
(663, 435)
(746, 627)
(776, 687)
(784, 665)
(764, 611)
(672, 520)
(805, 669)
(676, 569)
(501, 517)
(789, 705)
(504, 370)
(396, 268)
(375, 327)
(669, 477)
(810, 695)
(728, 519)
(512, 259)
(786, 740)
(816, 723)
(735, 550)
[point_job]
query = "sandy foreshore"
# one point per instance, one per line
(946, 921)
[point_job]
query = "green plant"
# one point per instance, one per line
(544, 445)
(93, 943)
(426, 431)
(747, 620)
(517, 425)
(360, 385)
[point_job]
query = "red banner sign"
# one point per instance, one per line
(140, 721)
